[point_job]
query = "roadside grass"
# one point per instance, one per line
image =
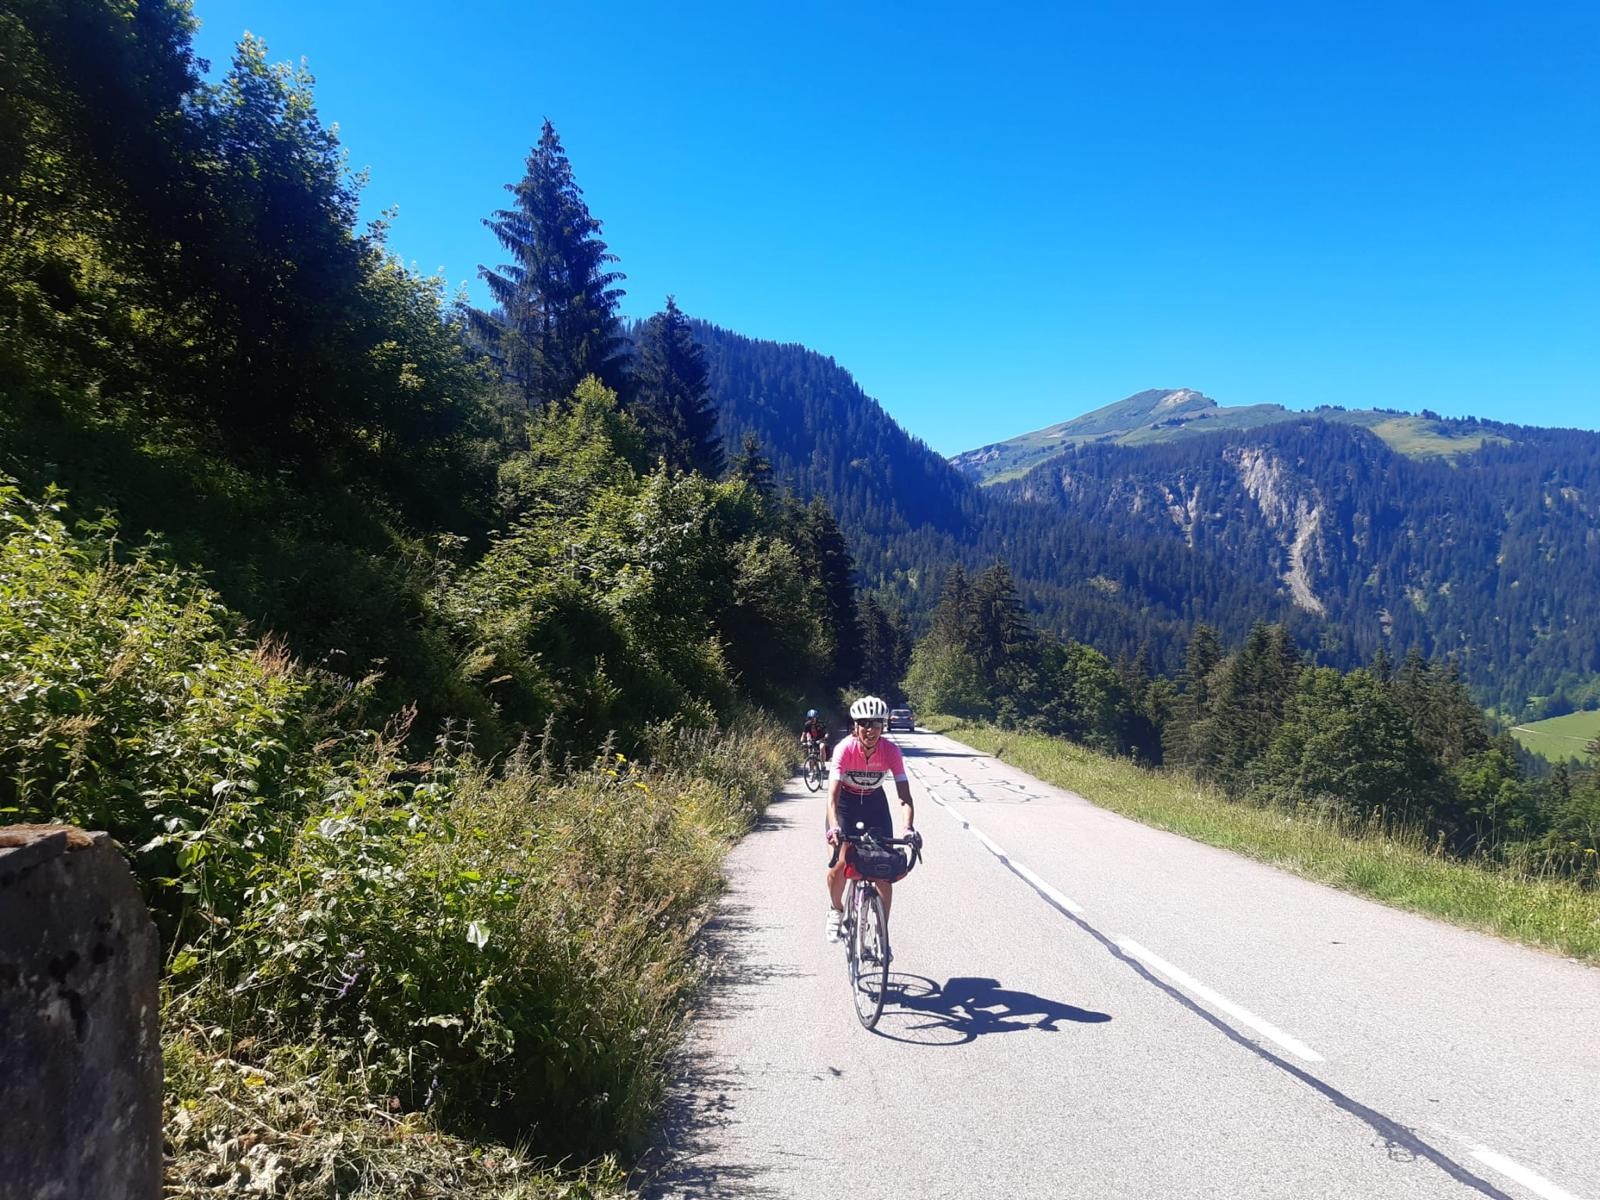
(1559, 738)
(1395, 867)
(447, 985)
(289, 1123)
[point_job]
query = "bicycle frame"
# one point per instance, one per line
(865, 927)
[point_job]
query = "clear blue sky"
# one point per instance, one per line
(1002, 215)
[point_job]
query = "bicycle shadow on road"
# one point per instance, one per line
(920, 1012)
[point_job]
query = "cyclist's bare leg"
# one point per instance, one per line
(836, 882)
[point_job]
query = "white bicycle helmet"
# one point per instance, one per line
(869, 708)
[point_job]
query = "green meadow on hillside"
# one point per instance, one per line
(1560, 738)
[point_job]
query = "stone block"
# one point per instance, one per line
(80, 1047)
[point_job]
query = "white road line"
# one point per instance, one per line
(1131, 948)
(1065, 901)
(1531, 1180)
(1192, 985)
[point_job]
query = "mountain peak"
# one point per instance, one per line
(1183, 396)
(1149, 408)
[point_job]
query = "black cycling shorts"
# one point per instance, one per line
(870, 807)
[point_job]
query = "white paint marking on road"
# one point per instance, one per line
(1131, 948)
(1065, 902)
(1531, 1180)
(1060, 898)
(1192, 985)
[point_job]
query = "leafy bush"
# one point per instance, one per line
(134, 704)
(509, 951)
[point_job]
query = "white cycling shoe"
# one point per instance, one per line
(835, 925)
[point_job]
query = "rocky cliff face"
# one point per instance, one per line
(1292, 508)
(1247, 500)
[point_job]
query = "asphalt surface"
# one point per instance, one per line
(1087, 1007)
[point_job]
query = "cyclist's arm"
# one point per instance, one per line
(833, 804)
(903, 786)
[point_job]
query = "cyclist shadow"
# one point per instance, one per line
(920, 1011)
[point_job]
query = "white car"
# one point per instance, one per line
(901, 718)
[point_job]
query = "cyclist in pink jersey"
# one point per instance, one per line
(861, 763)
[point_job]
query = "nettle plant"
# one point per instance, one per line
(134, 704)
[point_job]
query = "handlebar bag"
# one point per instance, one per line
(879, 863)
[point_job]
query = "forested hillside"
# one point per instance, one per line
(1490, 558)
(415, 655)
(1487, 556)
(909, 514)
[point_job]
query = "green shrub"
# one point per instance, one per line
(133, 704)
(509, 951)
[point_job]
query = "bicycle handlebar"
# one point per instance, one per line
(868, 836)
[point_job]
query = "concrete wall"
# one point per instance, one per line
(80, 1052)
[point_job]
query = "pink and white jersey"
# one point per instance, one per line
(859, 773)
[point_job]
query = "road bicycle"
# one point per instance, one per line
(864, 926)
(813, 769)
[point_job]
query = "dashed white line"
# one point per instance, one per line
(1131, 948)
(1531, 1180)
(1492, 1159)
(1060, 898)
(1192, 985)
(1066, 902)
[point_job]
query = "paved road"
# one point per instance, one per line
(1087, 1007)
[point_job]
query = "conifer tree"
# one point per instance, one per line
(1256, 685)
(955, 619)
(752, 466)
(829, 556)
(1185, 739)
(672, 401)
(555, 316)
(885, 649)
(1440, 710)
(1000, 626)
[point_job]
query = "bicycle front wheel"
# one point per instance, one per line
(869, 958)
(813, 774)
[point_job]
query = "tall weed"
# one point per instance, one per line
(507, 951)
(133, 703)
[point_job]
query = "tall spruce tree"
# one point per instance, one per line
(885, 649)
(555, 316)
(829, 556)
(672, 400)
(1255, 687)
(1000, 623)
(943, 675)
(1185, 740)
(955, 618)
(752, 466)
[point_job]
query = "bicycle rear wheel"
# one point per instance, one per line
(869, 958)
